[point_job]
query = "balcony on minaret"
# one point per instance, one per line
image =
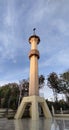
(34, 40)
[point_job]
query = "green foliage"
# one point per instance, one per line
(58, 105)
(24, 85)
(65, 80)
(53, 81)
(8, 93)
(41, 81)
(12, 93)
(59, 84)
(6, 97)
(65, 75)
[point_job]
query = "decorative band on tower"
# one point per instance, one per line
(34, 52)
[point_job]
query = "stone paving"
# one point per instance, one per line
(28, 124)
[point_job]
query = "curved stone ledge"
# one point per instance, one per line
(34, 52)
(35, 37)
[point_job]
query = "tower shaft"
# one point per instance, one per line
(33, 83)
(33, 56)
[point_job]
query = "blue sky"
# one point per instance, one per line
(17, 20)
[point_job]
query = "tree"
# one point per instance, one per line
(59, 84)
(24, 87)
(53, 83)
(13, 101)
(4, 95)
(41, 81)
(12, 93)
(65, 75)
(8, 93)
(65, 82)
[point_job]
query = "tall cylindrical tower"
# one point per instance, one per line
(34, 56)
(33, 97)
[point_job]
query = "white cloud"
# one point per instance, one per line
(8, 19)
(45, 15)
(58, 59)
(63, 57)
(6, 49)
(10, 76)
(61, 25)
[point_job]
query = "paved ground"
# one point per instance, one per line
(28, 124)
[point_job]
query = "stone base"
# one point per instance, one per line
(34, 113)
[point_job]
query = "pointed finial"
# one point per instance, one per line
(34, 31)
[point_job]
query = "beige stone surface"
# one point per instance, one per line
(33, 44)
(33, 97)
(33, 81)
(34, 100)
(61, 115)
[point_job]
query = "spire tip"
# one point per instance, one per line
(34, 29)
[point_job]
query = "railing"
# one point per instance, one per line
(60, 113)
(7, 113)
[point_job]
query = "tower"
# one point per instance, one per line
(34, 56)
(34, 99)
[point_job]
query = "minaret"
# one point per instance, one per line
(34, 99)
(34, 56)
